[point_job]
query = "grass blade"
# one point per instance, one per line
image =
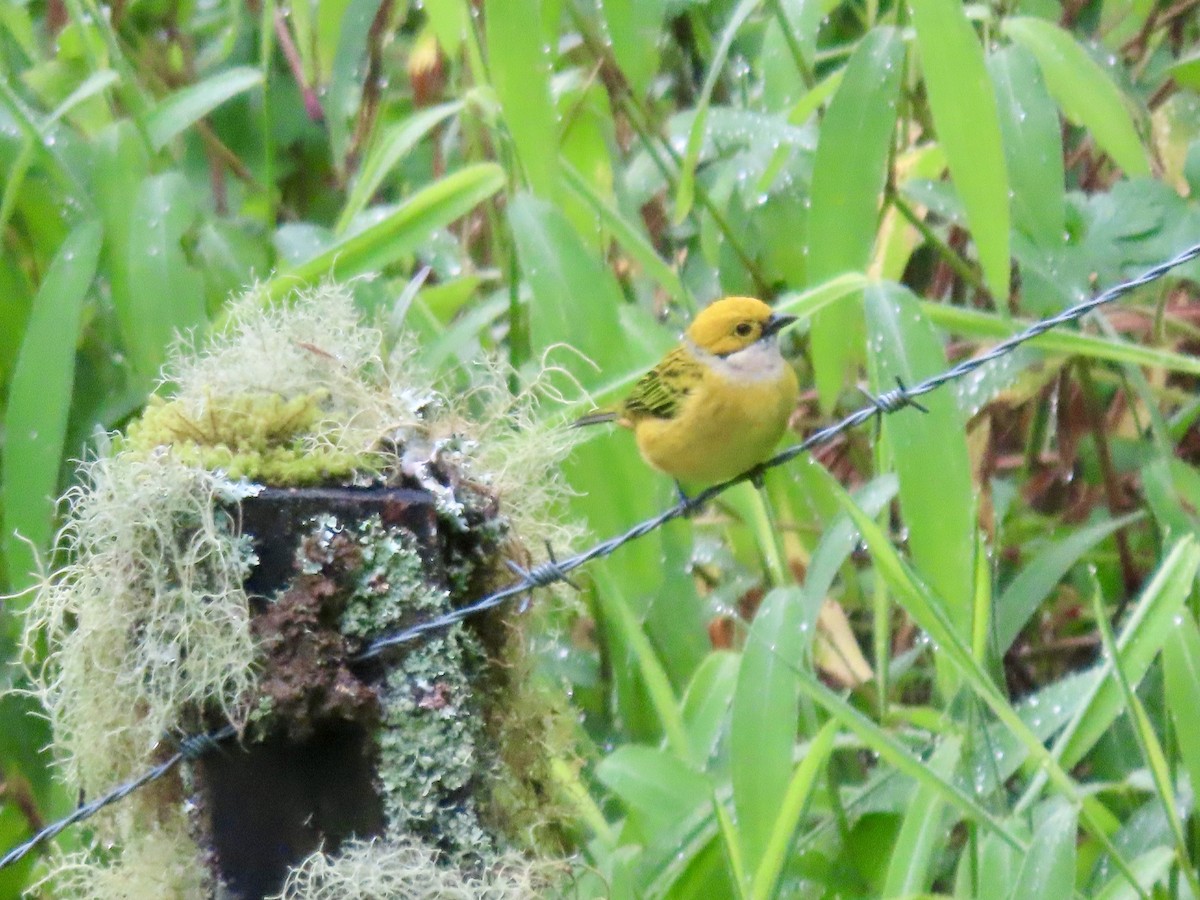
(1032, 145)
(391, 146)
(929, 450)
(1142, 637)
(1181, 670)
(398, 233)
(1084, 91)
(164, 212)
(849, 174)
(1025, 593)
(791, 808)
(922, 829)
(686, 191)
(182, 109)
(1049, 868)
(519, 64)
(963, 105)
(973, 322)
(764, 719)
(39, 398)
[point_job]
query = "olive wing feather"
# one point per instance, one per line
(661, 391)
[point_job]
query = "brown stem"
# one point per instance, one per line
(312, 103)
(368, 109)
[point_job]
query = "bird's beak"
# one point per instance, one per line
(776, 323)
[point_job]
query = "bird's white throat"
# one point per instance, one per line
(761, 361)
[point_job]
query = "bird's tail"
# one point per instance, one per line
(595, 418)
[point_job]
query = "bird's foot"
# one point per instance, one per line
(684, 500)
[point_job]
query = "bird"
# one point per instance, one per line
(717, 404)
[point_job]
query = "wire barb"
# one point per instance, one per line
(193, 746)
(553, 570)
(893, 400)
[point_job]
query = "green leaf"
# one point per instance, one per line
(764, 719)
(928, 611)
(800, 789)
(1181, 671)
(519, 63)
(963, 105)
(396, 234)
(996, 861)
(1048, 870)
(39, 398)
(1150, 868)
(1147, 741)
(575, 296)
(1040, 575)
(929, 450)
(1153, 618)
(634, 30)
(166, 295)
(849, 174)
(706, 704)
(893, 753)
(348, 22)
(1032, 145)
(185, 107)
(923, 828)
(119, 167)
(976, 323)
(686, 190)
(655, 785)
(629, 236)
(386, 152)
(619, 617)
(94, 84)
(1084, 91)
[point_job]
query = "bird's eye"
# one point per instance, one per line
(744, 329)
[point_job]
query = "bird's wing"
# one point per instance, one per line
(661, 391)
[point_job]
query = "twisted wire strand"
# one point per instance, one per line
(553, 571)
(190, 747)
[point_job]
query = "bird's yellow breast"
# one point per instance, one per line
(726, 425)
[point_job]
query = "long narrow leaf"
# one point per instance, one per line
(764, 719)
(398, 233)
(791, 808)
(39, 397)
(976, 323)
(849, 174)
(1049, 868)
(929, 450)
(1181, 670)
(187, 106)
(685, 193)
(391, 146)
(963, 105)
(1083, 89)
(922, 828)
(519, 63)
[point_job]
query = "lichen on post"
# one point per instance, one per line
(293, 493)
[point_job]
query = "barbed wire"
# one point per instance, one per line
(890, 401)
(191, 747)
(553, 571)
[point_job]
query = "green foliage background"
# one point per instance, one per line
(911, 179)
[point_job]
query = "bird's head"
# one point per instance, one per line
(734, 323)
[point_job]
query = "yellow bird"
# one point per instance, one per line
(717, 404)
